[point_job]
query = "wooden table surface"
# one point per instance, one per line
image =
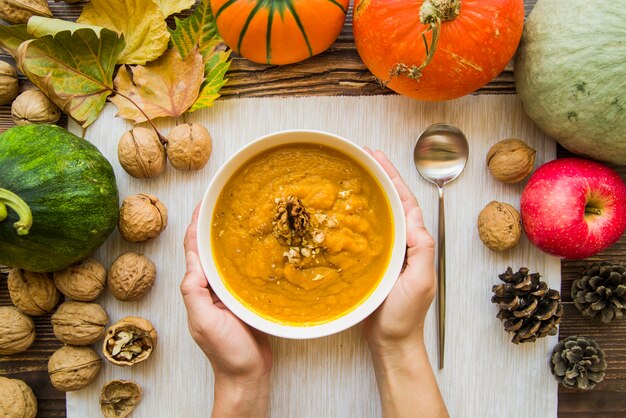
(339, 71)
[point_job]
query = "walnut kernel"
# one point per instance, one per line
(73, 367)
(141, 153)
(510, 160)
(32, 293)
(83, 281)
(131, 276)
(142, 217)
(17, 331)
(499, 226)
(32, 107)
(19, 11)
(189, 146)
(129, 341)
(119, 398)
(79, 323)
(9, 85)
(17, 399)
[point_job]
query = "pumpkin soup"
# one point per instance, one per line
(301, 234)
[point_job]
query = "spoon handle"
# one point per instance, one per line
(441, 284)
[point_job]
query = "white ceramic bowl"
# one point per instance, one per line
(204, 234)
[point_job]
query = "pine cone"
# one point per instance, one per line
(528, 307)
(291, 220)
(578, 362)
(601, 289)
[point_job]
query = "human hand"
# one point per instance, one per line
(400, 319)
(395, 331)
(240, 355)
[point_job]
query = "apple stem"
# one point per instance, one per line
(593, 211)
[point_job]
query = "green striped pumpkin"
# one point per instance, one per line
(279, 31)
(58, 198)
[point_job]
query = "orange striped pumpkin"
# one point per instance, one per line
(279, 31)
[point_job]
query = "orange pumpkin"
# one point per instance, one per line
(279, 31)
(437, 49)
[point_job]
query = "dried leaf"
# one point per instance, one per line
(141, 22)
(200, 30)
(169, 7)
(72, 66)
(12, 36)
(165, 87)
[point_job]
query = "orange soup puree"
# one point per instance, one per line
(302, 234)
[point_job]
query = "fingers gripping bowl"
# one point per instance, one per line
(301, 234)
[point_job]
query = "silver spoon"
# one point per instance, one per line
(440, 155)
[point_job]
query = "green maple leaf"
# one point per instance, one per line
(72, 64)
(200, 29)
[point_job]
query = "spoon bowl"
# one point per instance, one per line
(440, 155)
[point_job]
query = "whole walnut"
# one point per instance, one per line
(131, 276)
(32, 107)
(32, 293)
(17, 331)
(9, 85)
(189, 146)
(141, 153)
(83, 281)
(118, 398)
(142, 217)
(79, 323)
(19, 11)
(73, 367)
(511, 160)
(17, 399)
(129, 341)
(499, 226)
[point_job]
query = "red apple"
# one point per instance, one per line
(574, 208)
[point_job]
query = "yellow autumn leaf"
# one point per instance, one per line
(165, 87)
(141, 21)
(169, 7)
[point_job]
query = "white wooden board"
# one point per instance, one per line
(485, 375)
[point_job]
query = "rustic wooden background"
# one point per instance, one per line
(339, 71)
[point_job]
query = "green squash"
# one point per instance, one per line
(58, 198)
(570, 72)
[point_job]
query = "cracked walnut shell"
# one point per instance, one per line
(83, 281)
(119, 398)
(141, 153)
(32, 293)
(499, 226)
(73, 367)
(131, 276)
(33, 107)
(17, 399)
(142, 217)
(79, 323)
(511, 160)
(17, 331)
(189, 146)
(129, 341)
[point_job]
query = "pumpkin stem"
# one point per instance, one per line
(432, 13)
(12, 200)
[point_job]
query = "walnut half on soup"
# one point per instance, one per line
(302, 234)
